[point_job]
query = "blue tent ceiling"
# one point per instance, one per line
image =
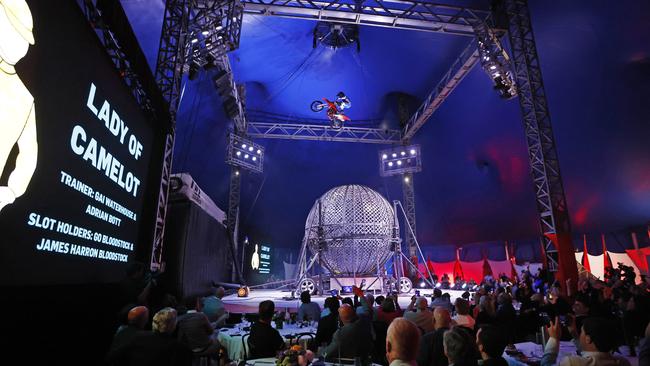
(475, 184)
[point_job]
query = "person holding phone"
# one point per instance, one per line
(421, 315)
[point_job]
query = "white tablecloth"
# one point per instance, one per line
(536, 351)
(232, 338)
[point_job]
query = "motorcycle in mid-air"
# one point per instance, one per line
(334, 114)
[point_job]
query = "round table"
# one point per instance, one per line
(231, 338)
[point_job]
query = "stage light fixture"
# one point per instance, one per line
(406, 179)
(438, 285)
(243, 291)
(422, 284)
(495, 61)
(239, 153)
(400, 160)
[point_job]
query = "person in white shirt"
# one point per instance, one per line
(462, 317)
(597, 340)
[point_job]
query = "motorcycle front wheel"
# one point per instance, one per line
(317, 106)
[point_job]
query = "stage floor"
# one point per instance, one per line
(250, 304)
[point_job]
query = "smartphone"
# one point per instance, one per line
(417, 293)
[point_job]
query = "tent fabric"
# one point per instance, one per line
(473, 270)
(289, 270)
(639, 257)
(532, 267)
(584, 260)
(487, 270)
(499, 267)
(444, 267)
(626, 260)
(597, 264)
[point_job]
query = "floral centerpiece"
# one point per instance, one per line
(295, 356)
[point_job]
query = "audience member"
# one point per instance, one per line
(156, 348)
(491, 343)
(462, 317)
(402, 342)
(329, 323)
(214, 308)
(506, 317)
(308, 311)
(440, 300)
(459, 347)
(596, 343)
(137, 319)
(195, 330)
(264, 340)
(486, 313)
(431, 347)
(421, 316)
(353, 339)
(389, 310)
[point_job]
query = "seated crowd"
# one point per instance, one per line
(602, 318)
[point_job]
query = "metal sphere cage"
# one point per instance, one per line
(354, 228)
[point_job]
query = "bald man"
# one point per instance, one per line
(419, 313)
(431, 348)
(402, 342)
(353, 339)
(138, 317)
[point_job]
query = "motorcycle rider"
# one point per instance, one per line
(342, 102)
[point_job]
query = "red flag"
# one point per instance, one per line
(487, 270)
(511, 258)
(458, 269)
(430, 266)
(607, 260)
(585, 253)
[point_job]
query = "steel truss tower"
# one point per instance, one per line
(169, 71)
(545, 167)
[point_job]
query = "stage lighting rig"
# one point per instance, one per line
(336, 35)
(495, 61)
(214, 29)
(245, 153)
(400, 160)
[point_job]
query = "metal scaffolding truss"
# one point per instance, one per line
(291, 131)
(458, 70)
(545, 167)
(401, 14)
(117, 55)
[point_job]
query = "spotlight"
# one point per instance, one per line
(438, 285)
(236, 172)
(250, 148)
(259, 151)
(205, 32)
(390, 163)
(412, 151)
(218, 28)
(406, 179)
(246, 156)
(399, 162)
(254, 158)
(402, 153)
(394, 155)
(243, 146)
(194, 40)
(464, 286)
(422, 284)
(384, 156)
(238, 153)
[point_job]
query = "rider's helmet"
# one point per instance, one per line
(340, 95)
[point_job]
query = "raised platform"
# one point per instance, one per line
(250, 304)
